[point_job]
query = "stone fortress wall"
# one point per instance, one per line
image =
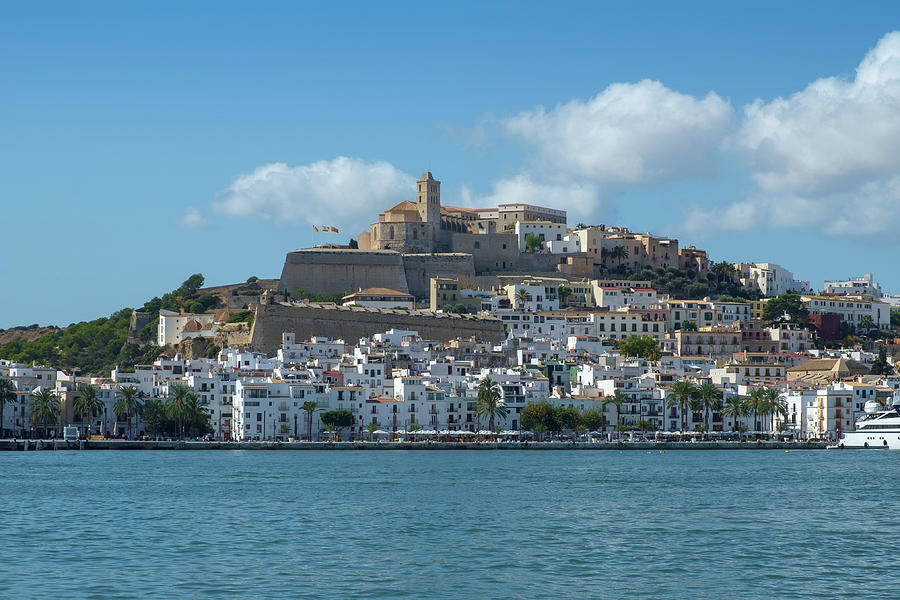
(341, 271)
(351, 323)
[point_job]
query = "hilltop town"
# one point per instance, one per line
(588, 328)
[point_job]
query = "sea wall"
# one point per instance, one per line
(423, 445)
(351, 323)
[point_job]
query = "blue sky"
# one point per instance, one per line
(143, 142)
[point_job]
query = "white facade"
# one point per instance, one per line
(170, 330)
(615, 298)
(771, 279)
(569, 244)
(860, 285)
(546, 231)
(532, 296)
(850, 308)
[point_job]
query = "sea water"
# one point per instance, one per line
(450, 524)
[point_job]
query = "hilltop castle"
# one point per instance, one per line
(414, 241)
(424, 226)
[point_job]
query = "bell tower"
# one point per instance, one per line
(428, 200)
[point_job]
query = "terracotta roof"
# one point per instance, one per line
(379, 291)
(404, 206)
(192, 326)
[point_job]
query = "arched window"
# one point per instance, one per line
(391, 232)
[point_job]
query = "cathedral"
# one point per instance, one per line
(424, 226)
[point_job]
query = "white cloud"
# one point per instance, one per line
(578, 198)
(343, 192)
(833, 135)
(633, 134)
(824, 159)
(193, 219)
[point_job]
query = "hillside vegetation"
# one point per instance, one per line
(95, 347)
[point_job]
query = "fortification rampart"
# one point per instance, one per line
(420, 268)
(352, 323)
(331, 271)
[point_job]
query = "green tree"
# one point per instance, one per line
(128, 404)
(538, 417)
(44, 409)
(756, 403)
(564, 292)
(522, 297)
(592, 419)
(533, 243)
(735, 407)
(866, 322)
(683, 392)
(787, 307)
(569, 418)
(371, 428)
(617, 399)
(688, 325)
(190, 285)
(309, 407)
(88, 405)
(645, 426)
(643, 346)
(337, 419)
(6, 395)
(774, 405)
(710, 399)
(155, 420)
(880, 365)
(179, 406)
(490, 401)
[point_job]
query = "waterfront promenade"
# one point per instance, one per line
(406, 445)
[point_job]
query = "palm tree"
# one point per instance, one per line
(489, 402)
(129, 403)
(680, 396)
(619, 253)
(179, 405)
(310, 407)
(6, 395)
(774, 405)
(735, 407)
(196, 419)
(756, 402)
(617, 399)
(87, 404)
(522, 297)
(710, 397)
(371, 428)
(44, 408)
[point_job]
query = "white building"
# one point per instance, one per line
(860, 285)
(614, 298)
(851, 309)
(532, 296)
(174, 327)
(770, 279)
(380, 298)
(545, 231)
(569, 244)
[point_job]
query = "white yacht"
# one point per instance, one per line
(878, 428)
